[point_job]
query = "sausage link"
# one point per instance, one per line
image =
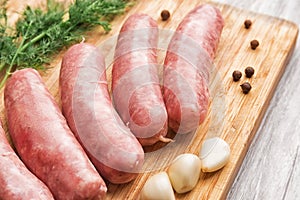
(44, 141)
(87, 106)
(186, 67)
(16, 181)
(135, 83)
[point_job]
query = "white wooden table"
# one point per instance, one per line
(271, 168)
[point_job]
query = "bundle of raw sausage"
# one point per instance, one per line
(44, 141)
(136, 92)
(47, 146)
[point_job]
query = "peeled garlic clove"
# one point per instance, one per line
(184, 172)
(214, 154)
(158, 187)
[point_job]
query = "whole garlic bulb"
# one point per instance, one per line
(158, 187)
(184, 172)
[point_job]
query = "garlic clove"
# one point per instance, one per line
(158, 187)
(214, 154)
(184, 172)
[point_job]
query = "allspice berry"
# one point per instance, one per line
(246, 87)
(254, 44)
(249, 71)
(236, 75)
(247, 23)
(165, 15)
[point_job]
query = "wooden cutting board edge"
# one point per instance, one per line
(224, 193)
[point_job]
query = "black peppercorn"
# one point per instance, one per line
(236, 75)
(249, 71)
(247, 23)
(246, 87)
(165, 15)
(254, 44)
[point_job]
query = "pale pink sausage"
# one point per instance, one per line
(44, 141)
(87, 106)
(16, 181)
(135, 84)
(186, 67)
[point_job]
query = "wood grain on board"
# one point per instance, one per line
(241, 114)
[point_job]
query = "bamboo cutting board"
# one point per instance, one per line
(233, 116)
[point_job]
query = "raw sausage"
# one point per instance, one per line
(186, 67)
(16, 181)
(88, 109)
(87, 106)
(44, 141)
(135, 84)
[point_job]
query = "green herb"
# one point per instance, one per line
(39, 34)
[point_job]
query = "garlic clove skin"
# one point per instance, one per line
(158, 187)
(184, 172)
(214, 154)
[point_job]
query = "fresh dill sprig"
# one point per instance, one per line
(39, 34)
